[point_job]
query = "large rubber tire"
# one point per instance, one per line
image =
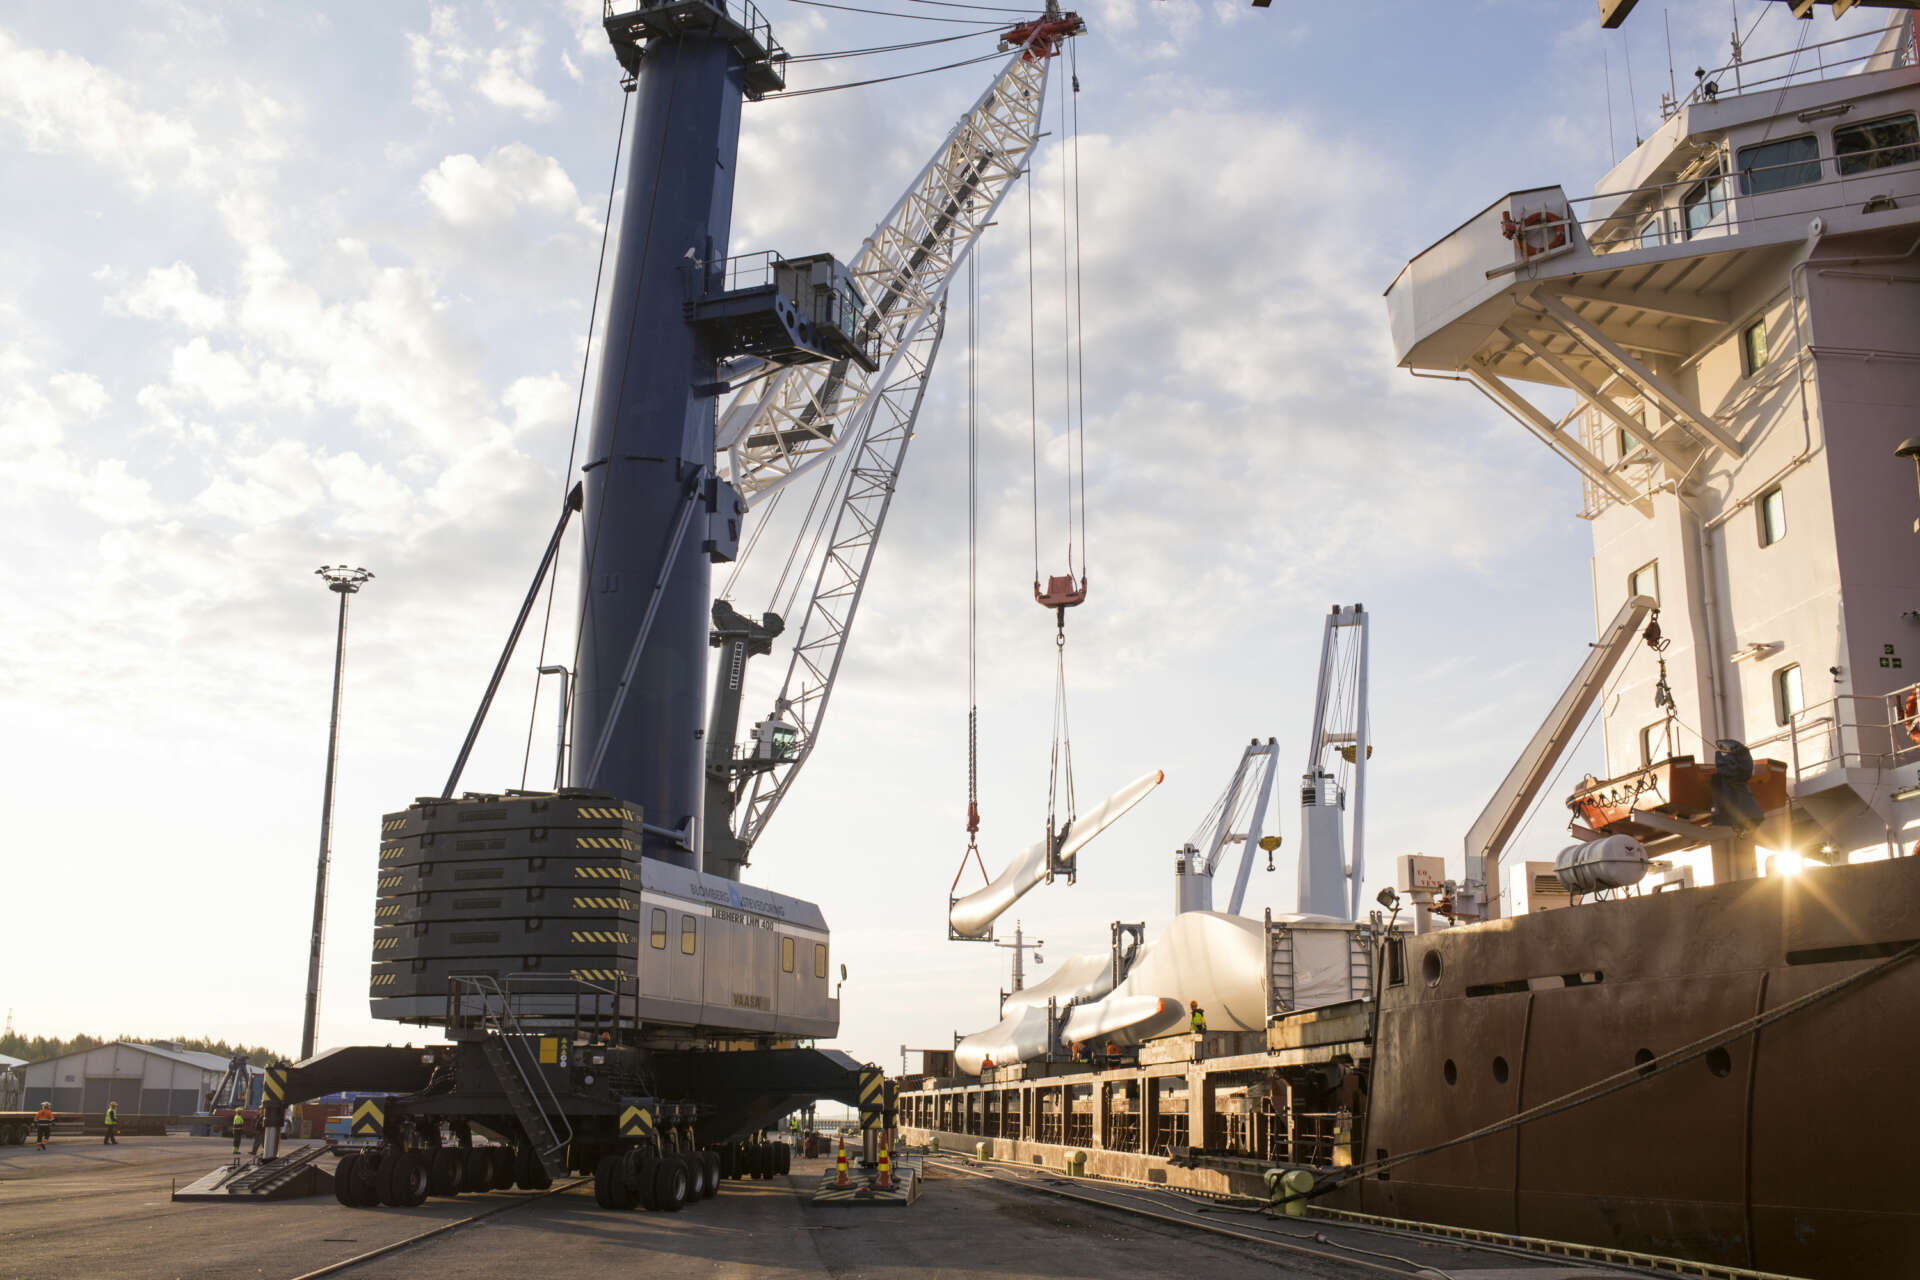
(449, 1171)
(366, 1178)
(528, 1173)
(670, 1184)
(762, 1162)
(640, 1174)
(479, 1175)
(343, 1188)
(729, 1167)
(783, 1160)
(502, 1158)
(712, 1163)
(403, 1180)
(608, 1182)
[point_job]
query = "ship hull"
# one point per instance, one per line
(1785, 1151)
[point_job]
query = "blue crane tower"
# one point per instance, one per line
(656, 516)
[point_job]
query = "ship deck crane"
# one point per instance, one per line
(1238, 817)
(1329, 886)
(786, 421)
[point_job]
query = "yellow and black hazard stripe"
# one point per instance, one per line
(602, 873)
(600, 935)
(386, 912)
(609, 815)
(277, 1084)
(369, 1119)
(393, 824)
(385, 944)
(600, 975)
(390, 882)
(391, 850)
(603, 904)
(636, 1122)
(603, 842)
(872, 1097)
(383, 979)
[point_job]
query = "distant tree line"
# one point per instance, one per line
(36, 1048)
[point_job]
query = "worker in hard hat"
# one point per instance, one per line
(112, 1124)
(43, 1124)
(239, 1126)
(1197, 1023)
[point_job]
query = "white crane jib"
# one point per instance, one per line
(784, 421)
(787, 420)
(1328, 887)
(1238, 817)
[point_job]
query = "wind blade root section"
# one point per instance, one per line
(973, 915)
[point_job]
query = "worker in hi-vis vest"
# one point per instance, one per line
(43, 1124)
(239, 1127)
(1197, 1018)
(112, 1119)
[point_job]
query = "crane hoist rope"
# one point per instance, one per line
(973, 574)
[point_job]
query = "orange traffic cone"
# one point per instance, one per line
(886, 1170)
(840, 1165)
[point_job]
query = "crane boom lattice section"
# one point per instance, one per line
(786, 422)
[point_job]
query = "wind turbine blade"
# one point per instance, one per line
(974, 914)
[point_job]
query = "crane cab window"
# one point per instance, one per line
(786, 955)
(1654, 746)
(657, 934)
(1645, 581)
(819, 959)
(1876, 144)
(1772, 511)
(1789, 697)
(689, 936)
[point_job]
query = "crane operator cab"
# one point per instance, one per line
(775, 741)
(785, 310)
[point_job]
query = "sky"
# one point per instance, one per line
(283, 287)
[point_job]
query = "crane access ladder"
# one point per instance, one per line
(508, 1050)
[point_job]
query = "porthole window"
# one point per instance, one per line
(786, 955)
(1501, 1072)
(1772, 513)
(1645, 581)
(819, 959)
(1450, 1072)
(1643, 1060)
(1719, 1063)
(657, 937)
(1430, 968)
(1753, 347)
(689, 935)
(1789, 696)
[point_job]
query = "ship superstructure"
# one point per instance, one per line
(1724, 339)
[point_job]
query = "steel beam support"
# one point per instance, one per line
(1595, 397)
(1649, 382)
(1550, 435)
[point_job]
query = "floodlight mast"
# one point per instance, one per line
(344, 582)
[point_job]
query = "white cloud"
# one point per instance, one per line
(444, 56)
(56, 102)
(171, 292)
(468, 192)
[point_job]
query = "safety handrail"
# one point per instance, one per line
(507, 1028)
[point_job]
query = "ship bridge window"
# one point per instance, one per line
(786, 955)
(1789, 697)
(819, 959)
(1629, 441)
(1645, 581)
(689, 936)
(1705, 203)
(1877, 144)
(1775, 166)
(1772, 511)
(1650, 232)
(657, 933)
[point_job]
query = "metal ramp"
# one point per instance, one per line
(287, 1177)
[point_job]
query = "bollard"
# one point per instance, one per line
(933, 1144)
(983, 1151)
(840, 1165)
(1076, 1164)
(1297, 1183)
(886, 1170)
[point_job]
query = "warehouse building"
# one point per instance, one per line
(159, 1078)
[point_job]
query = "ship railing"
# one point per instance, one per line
(1841, 56)
(1847, 731)
(1731, 204)
(743, 13)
